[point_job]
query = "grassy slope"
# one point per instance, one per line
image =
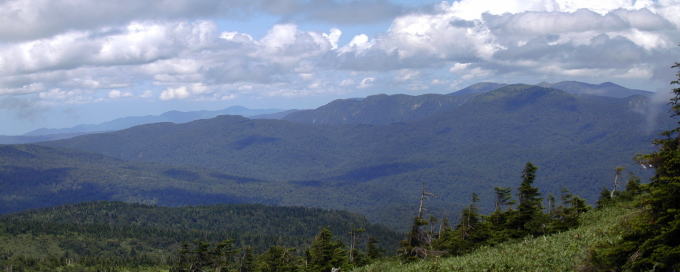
(559, 252)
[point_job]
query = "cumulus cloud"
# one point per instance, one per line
(178, 52)
(115, 94)
(35, 19)
(366, 82)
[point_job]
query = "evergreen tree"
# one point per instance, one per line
(633, 188)
(326, 253)
(247, 260)
(503, 197)
(530, 218)
(222, 255)
(566, 215)
(416, 243)
(203, 258)
(373, 251)
(604, 200)
(660, 247)
(355, 234)
(469, 220)
(653, 243)
(279, 259)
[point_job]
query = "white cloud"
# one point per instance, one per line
(462, 41)
(458, 67)
(184, 92)
(35, 19)
(366, 82)
(175, 93)
(346, 82)
(138, 43)
(115, 94)
(406, 75)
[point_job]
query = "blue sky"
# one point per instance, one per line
(64, 63)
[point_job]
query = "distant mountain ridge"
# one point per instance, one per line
(170, 116)
(386, 109)
(607, 89)
(377, 169)
(37, 138)
(378, 109)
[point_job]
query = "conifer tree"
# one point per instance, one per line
(222, 255)
(416, 243)
(247, 260)
(373, 251)
(326, 253)
(653, 244)
(279, 259)
(529, 211)
(503, 198)
(661, 249)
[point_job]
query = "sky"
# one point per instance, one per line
(69, 62)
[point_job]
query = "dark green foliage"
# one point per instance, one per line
(204, 256)
(469, 234)
(566, 216)
(248, 263)
(652, 241)
(373, 250)
(279, 259)
(605, 198)
(505, 223)
(530, 218)
(416, 243)
(326, 253)
(503, 198)
(139, 235)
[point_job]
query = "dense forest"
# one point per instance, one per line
(118, 234)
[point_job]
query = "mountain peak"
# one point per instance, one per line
(610, 84)
(479, 88)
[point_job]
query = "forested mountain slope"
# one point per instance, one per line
(134, 234)
(379, 109)
(576, 141)
(386, 109)
(34, 176)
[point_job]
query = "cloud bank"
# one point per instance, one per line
(88, 51)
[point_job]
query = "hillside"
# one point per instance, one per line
(35, 176)
(565, 251)
(379, 109)
(133, 232)
(23, 139)
(576, 141)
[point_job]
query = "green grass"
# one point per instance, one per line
(564, 251)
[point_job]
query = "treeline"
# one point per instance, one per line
(528, 216)
(325, 254)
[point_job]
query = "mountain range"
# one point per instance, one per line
(50, 134)
(378, 169)
(386, 109)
